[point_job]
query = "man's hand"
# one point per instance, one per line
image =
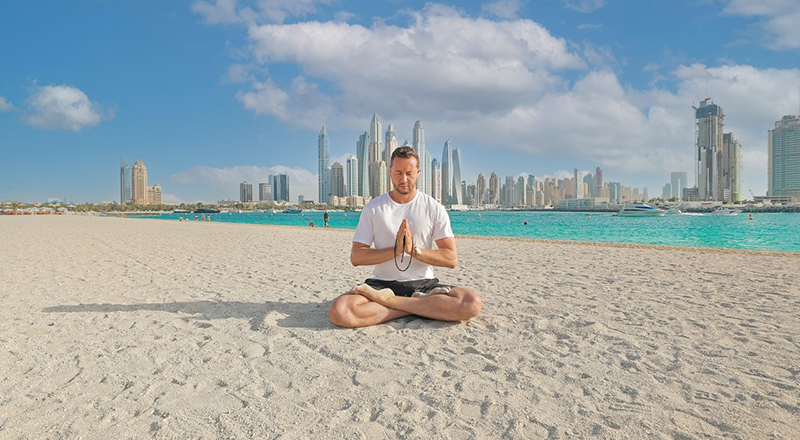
(404, 233)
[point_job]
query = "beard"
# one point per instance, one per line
(406, 191)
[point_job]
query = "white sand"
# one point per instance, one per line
(128, 328)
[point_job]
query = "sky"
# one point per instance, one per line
(211, 93)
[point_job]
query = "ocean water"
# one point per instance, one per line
(767, 231)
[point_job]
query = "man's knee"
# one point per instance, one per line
(471, 303)
(340, 312)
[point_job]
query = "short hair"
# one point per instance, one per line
(404, 153)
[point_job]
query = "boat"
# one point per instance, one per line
(206, 211)
(669, 210)
(292, 210)
(640, 210)
(722, 210)
(180, 211)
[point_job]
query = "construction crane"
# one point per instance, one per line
(752, 195)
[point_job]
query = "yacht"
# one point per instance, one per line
(722, 210)
(669, 210)
(640, 210)
(292, 210)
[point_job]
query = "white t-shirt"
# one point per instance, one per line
(380, 220)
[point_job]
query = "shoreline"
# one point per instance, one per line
(787, 254)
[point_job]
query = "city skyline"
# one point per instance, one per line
(215, 93)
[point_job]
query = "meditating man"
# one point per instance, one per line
(403, 224)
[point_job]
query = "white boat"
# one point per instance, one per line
(640, 210)
(669, 210)
(722, 210)
(292, 210)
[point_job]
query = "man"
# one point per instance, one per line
(403, 224)
(325, 218)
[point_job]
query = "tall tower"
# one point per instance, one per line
(124, 182)
(362, 154)
(494, 189)
(455, 168)
(375, 145)
(447, 174)
(323, 166)
(352, 176)
(709, 120)
(337, 179)
(480, 190)
(139, 183)
(731, 168)
(418, 143)
(598, 182)
(246, 192)
(436, 180)
(389, 146)
(678, 182)
(783, 158)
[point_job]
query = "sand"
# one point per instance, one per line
(139, 328)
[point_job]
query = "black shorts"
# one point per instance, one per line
(407, 288)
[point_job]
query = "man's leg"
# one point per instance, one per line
(353, 310)
(457, 305)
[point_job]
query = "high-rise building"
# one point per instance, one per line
(154, 195)
(418, 140)
(730, 179)
(480, 190)
(246, 192)
(377, 171)
(427, 160)
(598, 182)
(709, 120)
(615, 192)
(362, 154)
(457, 195)
(337, 180)
(447, 174)
(436, 180)
(577, 182)
(139, 183)
(124, 182)
(264, 192)
(390, 145)
(666, 192)
(588, 180)
(678, 183)
(494, 189)
(783, 158)
(280, 187)
(322, 145)
(352, 176)
(519, 190)
(375, 145)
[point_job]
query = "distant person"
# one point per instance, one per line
(403, 224)
(310, 224)
(325, 218)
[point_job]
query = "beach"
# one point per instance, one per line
(138, 328)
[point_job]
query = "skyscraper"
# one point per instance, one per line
(494, 189)
(730, 179)
(377, 171)
(709, 120)
(577, 191)
(362, 154)
(246, 192)
(678, 183)
(457, 195)
(598, 183)
(436, 180)
(447, 175)
(264, 192)
(323, 166)
(783, 158)
(390, 145)
(375, 145)
(280, 187)
(429, 172)
(337, 180)
(139, 183)
(480, 190)
(352, 176)
(124, 182)
(418, 143)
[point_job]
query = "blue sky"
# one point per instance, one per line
(210, 93)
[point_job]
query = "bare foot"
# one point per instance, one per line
(378, 296)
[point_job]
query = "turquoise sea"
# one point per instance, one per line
(767, 231)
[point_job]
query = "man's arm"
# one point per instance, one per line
(363, 255)
(445, 256)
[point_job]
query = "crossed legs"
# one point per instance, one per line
(364, 306)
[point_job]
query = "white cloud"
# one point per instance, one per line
(223, 183)
(779, 19)
(63, 108)
(584, 6)
(505, 9)
(238, 74)
(171, 199)
(508, 85)
(5, 105)
(257, 11)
